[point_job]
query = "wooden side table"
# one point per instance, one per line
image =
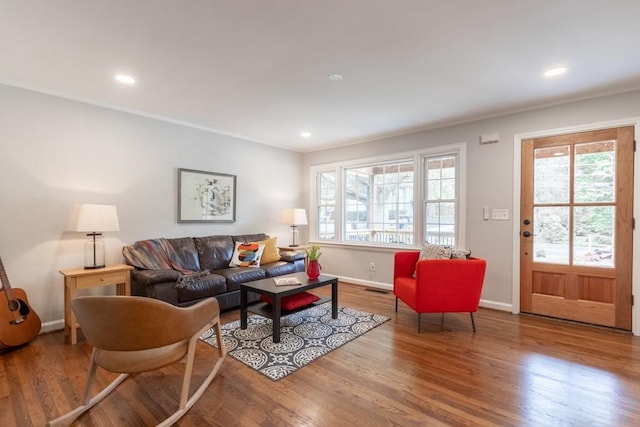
(119, 275)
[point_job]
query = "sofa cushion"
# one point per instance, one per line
(237, 275)
(278, 268)
(185, 253)
(292, 302)
(206, 286)
(270, 253)
(247, 254)
(214, 252)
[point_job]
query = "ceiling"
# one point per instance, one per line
(259, 69)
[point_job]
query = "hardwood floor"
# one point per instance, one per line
(515, 371)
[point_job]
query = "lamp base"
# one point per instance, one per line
(94, 252)
(294, 236)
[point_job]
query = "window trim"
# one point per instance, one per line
(417, 156)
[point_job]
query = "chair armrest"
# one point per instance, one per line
(404, 263)
(291, 256)
(151, 277)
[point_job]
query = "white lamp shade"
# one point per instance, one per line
(97, 218)
(294, 217)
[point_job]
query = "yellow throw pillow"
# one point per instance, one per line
(270, 253)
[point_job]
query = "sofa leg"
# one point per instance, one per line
(419, 323)
(396, 304)
(473, 323)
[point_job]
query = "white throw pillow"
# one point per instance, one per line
(430, 251)
(247, 254)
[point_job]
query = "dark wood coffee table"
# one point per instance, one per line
(274, 311)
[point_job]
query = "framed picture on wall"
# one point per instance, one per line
(206, 196)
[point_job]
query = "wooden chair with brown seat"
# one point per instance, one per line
(137, 334)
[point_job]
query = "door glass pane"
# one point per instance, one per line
(551, 174)
(551, 234)
(594, 236)
(595, 172)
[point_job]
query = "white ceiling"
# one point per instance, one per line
(259, 69)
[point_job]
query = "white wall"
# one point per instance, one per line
(56, 153)
(490, 179)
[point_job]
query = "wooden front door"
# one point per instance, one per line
(576, 226)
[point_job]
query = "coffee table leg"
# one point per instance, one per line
(243, 308)
(334, 299)
(275, 317)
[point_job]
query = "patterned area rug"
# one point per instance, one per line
(304, 337)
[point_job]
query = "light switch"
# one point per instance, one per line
(500, 214)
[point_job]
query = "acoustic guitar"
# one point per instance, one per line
(19, 324)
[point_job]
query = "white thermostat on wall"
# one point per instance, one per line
(489, 138)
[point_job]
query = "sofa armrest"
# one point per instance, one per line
(151, 277)
(291, 256)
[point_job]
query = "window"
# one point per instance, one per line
(371, 202)
(378, 203)
(440, 200)
(326, 205)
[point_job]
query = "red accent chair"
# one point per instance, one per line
(440, 285)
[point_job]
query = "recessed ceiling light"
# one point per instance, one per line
(123, 78)
(555, 71)
(335, 77)
(305, 134)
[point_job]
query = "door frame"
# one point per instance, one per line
(517, 173)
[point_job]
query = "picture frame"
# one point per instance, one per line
(206, 196)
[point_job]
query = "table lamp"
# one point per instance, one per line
(294, 217)
(94, 220)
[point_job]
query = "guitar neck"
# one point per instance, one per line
(5, 282)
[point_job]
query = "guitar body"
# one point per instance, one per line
(19, 324)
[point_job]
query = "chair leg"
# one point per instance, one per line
(186, 404)
(68, 418)
(473, 323)
(396, 304)
(419, 322)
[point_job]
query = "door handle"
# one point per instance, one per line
(526, 234)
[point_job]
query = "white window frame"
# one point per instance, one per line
(418, 157)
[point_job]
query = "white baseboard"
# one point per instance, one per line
(367, 283)
(495, 305)
(54, 325)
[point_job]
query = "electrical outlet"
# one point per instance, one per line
(372, 266)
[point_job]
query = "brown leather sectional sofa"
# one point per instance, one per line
(193, 256)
